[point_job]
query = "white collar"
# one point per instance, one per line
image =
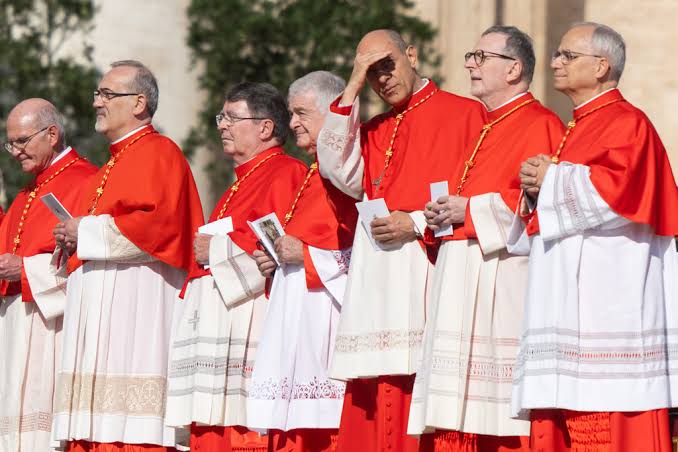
(61, 155)
(509, 101)
(422, 86)
(130, 134)
(594, 98)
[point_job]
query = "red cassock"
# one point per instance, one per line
(324, 218)
(159, 213)
(64, 179)
(269, 188)
(530, 130)
(631, 172)
(432, 139)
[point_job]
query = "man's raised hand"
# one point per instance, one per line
(361, 65)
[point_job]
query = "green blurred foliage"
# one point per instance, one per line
(277, 41)
(32, 34)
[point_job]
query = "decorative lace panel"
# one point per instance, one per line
(343, 258)
(380, 340)
(282, 389)
(111, 394)
(31, 422)
(334, 141)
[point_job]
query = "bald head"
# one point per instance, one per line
(384, 37)
(35, 134)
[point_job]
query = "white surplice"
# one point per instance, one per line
(216, 340)
(120, 305)
(30, 346)
(601, 314)
(290, 385)
(471, 340)
(383, 313)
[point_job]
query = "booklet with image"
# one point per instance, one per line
(56, 207)
(368, 211)
(267, 229)
(439, 189)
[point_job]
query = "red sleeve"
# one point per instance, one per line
(312, 278)
(340, 110)
(469, 228)
(26, 294)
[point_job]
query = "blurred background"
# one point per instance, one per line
(57, 49)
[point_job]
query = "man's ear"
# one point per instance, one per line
(141, 106)
(266, 129)
(515, 72)
(603, 69)
(53, 133)
(412, 56)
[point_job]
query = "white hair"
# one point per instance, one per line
(48, 115)
(608, 43)
(325, 85)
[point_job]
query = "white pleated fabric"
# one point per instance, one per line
(290, 385)
(112, 379)
(216, 340)
(601, 319)
(471, 342)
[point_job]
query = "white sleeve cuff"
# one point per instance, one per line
(48, 287)
(332, 267)
(100, 239)
(234, 271)
(419, 221)
(492, 221)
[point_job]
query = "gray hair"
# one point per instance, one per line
(519, 46)
(144, 82)
(608, 43)
(48, 115)
(325, 85)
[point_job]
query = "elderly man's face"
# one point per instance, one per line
(392, 78)
(306, 120)
(239, 134)
(579, 73)
(114, 115)
(490, 78)
(33, 142)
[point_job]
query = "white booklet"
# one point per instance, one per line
(368, 211)
(218, 227)
(267, 229)
(439, 189)
(56, 207)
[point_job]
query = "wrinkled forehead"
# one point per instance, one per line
(577, 39)
(21, 123)
(306, 100)
(492, 42)
(377, 43)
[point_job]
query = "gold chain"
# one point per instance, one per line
(237, 183)
(570, 125)
(389, 152)
(31, 196)
(486, 129)
(312, 169)
(109, 166)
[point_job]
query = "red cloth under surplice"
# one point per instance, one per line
(303, 440)
(211, 438)
(85, 446)
(574, 431)
(446, 441)
(375, 415)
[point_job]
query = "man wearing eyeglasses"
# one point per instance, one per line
(463, 389)
(216, 339)
(596, 367)
(32, 298)
(394, 156)
(130, 244)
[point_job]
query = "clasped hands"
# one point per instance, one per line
(445, 211)
(532, 173)
(290, 250)
(66, 234)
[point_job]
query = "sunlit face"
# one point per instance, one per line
(114, 116)
(35, 153)
(580, 73)
(306, 120)
(240, 135)
(392, 78)
(490, 78)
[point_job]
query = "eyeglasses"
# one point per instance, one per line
(481, 55)
(106, 94)
(567, 56)
(230, 119)
(21, 143)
